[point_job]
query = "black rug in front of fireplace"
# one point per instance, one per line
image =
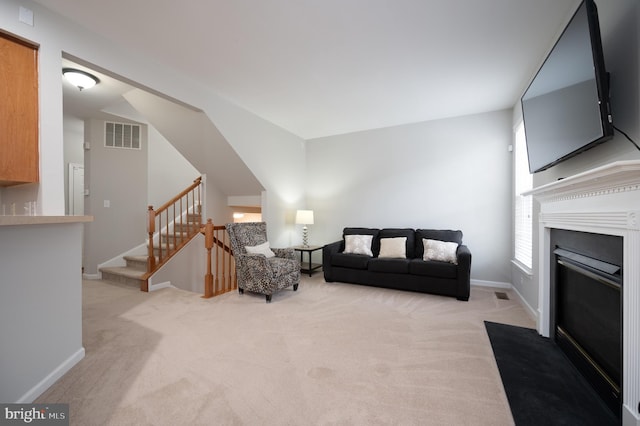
(542, 385)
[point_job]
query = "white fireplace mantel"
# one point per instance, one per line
(605, 200)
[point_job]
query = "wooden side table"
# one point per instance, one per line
(311, 266)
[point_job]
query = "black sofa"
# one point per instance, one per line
(409, 273)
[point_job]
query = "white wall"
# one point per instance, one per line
(185, 270)
(276, 158)
(119, 177)
(168, 171)
(40, 307)
(620, 29)
(216, 206)
(445, 174)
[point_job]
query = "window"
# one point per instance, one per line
(122, 135)
(523, 204)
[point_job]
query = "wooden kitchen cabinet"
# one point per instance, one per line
(19, 160)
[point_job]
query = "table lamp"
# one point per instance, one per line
(304, 217)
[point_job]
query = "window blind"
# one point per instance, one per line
(523, 246)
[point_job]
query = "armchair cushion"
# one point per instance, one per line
(260, 249)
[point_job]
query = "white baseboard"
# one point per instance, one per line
(154, 287)
(629, 418)
(51, 378)
(533, 313)
(92, 276)
(497, 284)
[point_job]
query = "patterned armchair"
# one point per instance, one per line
(257, 272)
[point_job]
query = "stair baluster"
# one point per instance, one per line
(220, 277)
(184, 211)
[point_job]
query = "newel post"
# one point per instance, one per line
(151, 227)
(208, 243)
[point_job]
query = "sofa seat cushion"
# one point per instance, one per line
(347, 260)
(433, 268)
(281, 266)
(391, 266)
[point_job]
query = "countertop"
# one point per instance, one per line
(42, 220)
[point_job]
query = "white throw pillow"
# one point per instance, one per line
(260, 249)
(395, 248)
(358, 244)
(443, 251)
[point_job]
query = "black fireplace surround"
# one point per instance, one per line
(586, 307)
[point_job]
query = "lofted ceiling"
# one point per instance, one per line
(326, 67)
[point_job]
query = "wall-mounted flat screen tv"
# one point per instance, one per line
(566, 107)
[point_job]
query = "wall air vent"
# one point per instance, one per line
(122, 135)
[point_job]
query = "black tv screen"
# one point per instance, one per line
(566, 107)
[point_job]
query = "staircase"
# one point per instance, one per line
(177, 222)
(169, 228)
(134, 273)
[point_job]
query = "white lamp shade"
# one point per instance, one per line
(304, 217)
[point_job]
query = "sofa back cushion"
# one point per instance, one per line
(375, 244)
(435, 234)
(399, 232)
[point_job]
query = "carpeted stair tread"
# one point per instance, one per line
(136, 258)
(124, 271)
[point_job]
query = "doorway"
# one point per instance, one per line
(76, 189)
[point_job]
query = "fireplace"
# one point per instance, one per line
(603, 201)
(586, 302)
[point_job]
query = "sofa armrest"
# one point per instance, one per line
(464, 272)
(327, 252)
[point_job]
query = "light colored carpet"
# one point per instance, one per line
(327, 354)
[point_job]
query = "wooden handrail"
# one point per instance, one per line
(196, 183)
(221, 275)
(174, 224)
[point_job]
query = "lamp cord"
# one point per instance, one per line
(627, 136)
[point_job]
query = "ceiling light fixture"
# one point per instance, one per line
(81, 79)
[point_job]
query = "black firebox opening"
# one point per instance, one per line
(586, 291)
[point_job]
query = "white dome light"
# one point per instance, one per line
(82, 80)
